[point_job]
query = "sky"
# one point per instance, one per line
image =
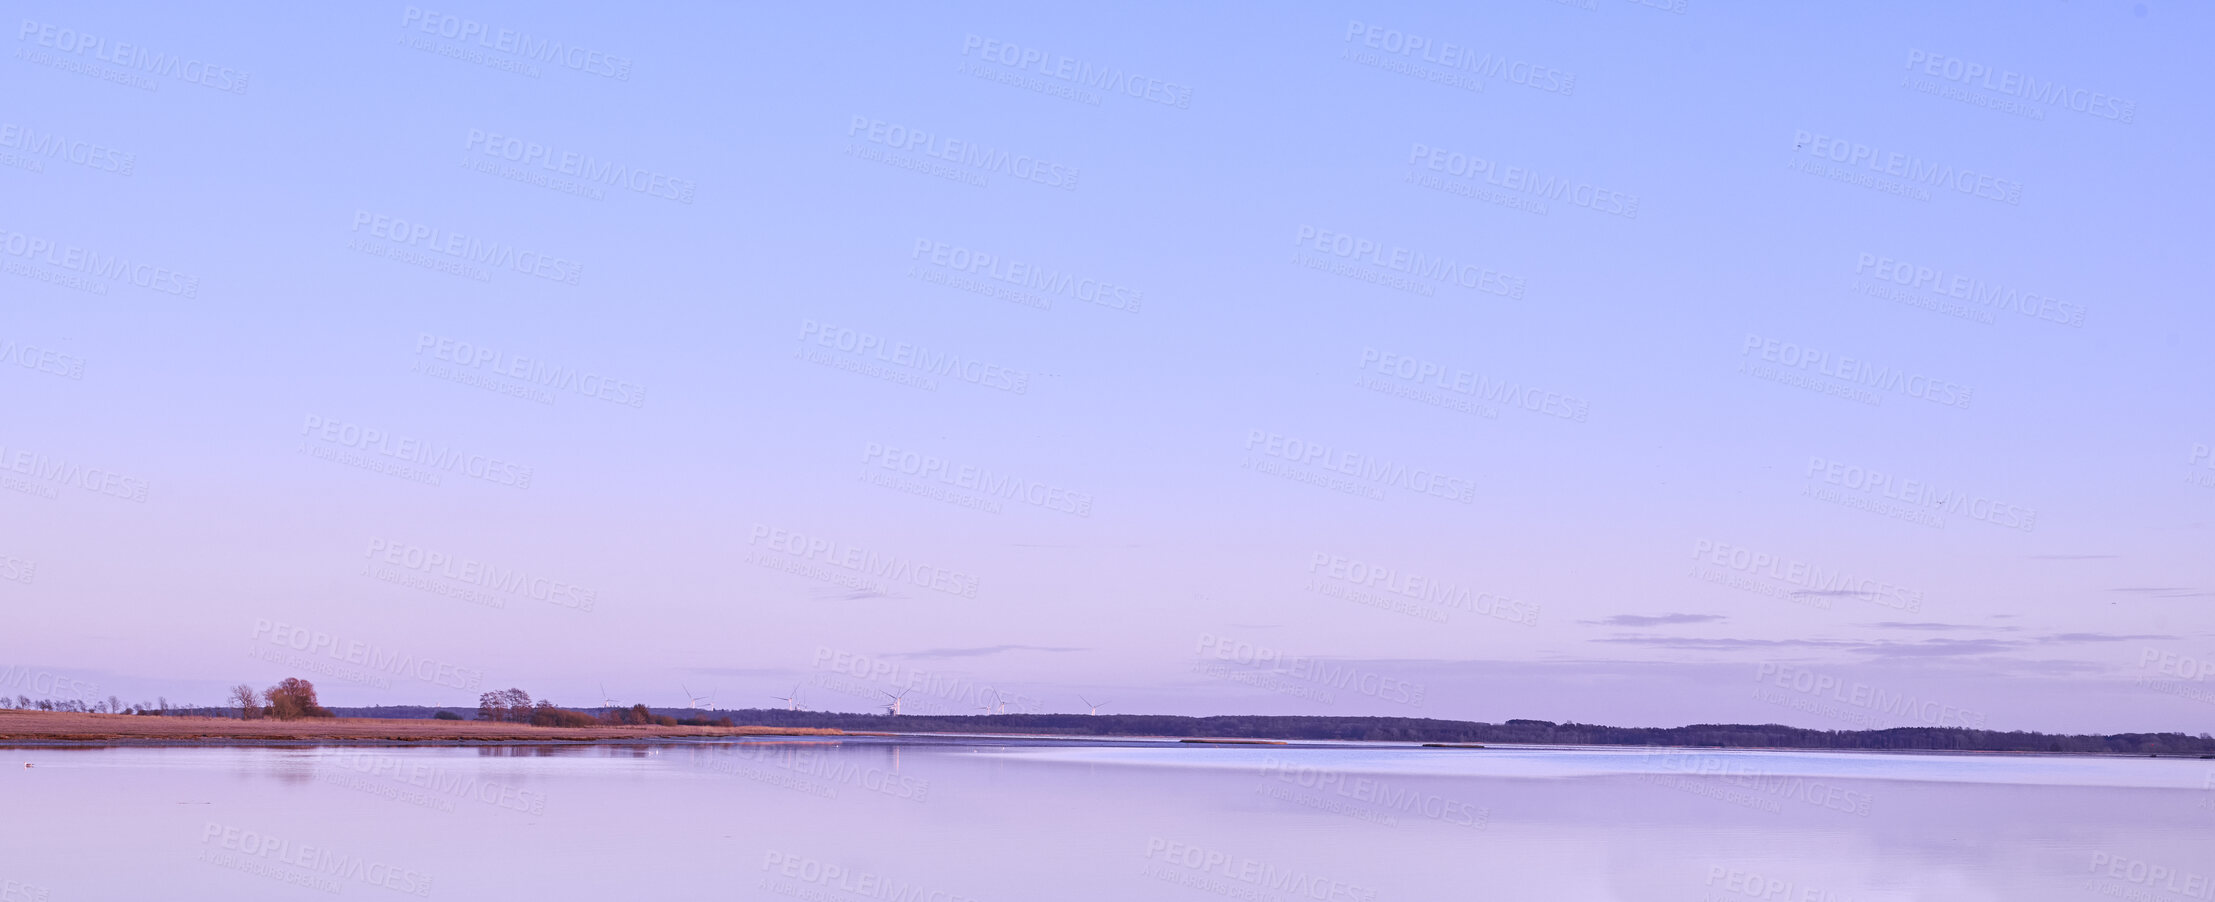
(1644, 363)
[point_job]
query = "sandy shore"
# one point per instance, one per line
(50, 726)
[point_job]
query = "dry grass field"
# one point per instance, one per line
(52, 726)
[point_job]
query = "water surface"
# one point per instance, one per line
(995, 819)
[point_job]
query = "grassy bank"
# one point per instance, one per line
(57, 726)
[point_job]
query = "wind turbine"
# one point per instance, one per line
(605, 701)
(792, 702)
(696, 699)
(1088, 703)
(894, 708)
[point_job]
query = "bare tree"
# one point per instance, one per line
(518, 704)
(243, 698)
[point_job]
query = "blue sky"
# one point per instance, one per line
(1529, 359)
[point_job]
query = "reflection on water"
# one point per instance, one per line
(877, 819)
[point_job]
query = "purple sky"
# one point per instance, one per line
(1839, 365)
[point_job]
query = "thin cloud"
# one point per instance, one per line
(853, 595)
(1921, 649)
(1655, 619)
(1732, 644)
(1933, 627)
(1941, 648)
(982, 650)
(2100, 637)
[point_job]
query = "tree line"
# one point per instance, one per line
(160, 706)
(515, 706)
(1519, 732)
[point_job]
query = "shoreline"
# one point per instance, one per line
(65, 729)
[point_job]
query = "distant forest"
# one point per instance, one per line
(1413, 729)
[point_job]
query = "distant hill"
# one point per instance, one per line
(1420, 729)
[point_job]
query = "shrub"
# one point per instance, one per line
(294, 698)
(550, 716)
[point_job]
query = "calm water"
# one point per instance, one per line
(983, 819)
